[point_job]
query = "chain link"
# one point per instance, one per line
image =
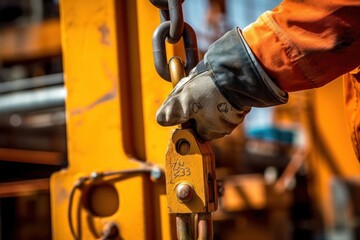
(171, 29)
(162, 4)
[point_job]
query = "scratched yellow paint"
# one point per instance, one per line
(94, 42)
(154, 91)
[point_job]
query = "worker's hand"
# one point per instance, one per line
(196, 97)
(221, 89)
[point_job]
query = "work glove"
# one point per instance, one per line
(220, 90)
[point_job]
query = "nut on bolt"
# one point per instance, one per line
(184, 192)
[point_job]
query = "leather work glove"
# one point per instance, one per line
(221, 90)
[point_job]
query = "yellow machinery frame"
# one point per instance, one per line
(113, 92)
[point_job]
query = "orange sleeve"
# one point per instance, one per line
(304, 44)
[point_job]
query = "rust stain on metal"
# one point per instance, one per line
(104, 32)
(61, 196)
(105, 97)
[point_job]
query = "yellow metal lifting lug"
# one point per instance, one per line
(190, 175)
(191, 187)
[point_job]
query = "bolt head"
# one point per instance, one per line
(156, 174)
(184, 192)
(94, 175)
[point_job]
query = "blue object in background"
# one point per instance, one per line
(272, 134)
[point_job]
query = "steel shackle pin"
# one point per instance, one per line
(177, 70)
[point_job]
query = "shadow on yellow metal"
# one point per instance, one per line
(113, 92)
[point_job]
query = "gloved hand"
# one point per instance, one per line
(196, 97)
(221, 90)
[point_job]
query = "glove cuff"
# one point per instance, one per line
(238, 76)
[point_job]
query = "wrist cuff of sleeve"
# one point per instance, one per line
(239, 76)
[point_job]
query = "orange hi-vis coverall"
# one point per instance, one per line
(304, 44)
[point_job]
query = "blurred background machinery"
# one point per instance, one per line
(32, 120)
(287, 173)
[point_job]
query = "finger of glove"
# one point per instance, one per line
(172, 112)
(176, 108)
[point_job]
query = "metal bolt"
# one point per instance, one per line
(184, 192)
(95, 175)
(156, 174)
(183, 147)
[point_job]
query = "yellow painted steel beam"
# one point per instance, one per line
(154, 91)
(332, 155)
(113, 92)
